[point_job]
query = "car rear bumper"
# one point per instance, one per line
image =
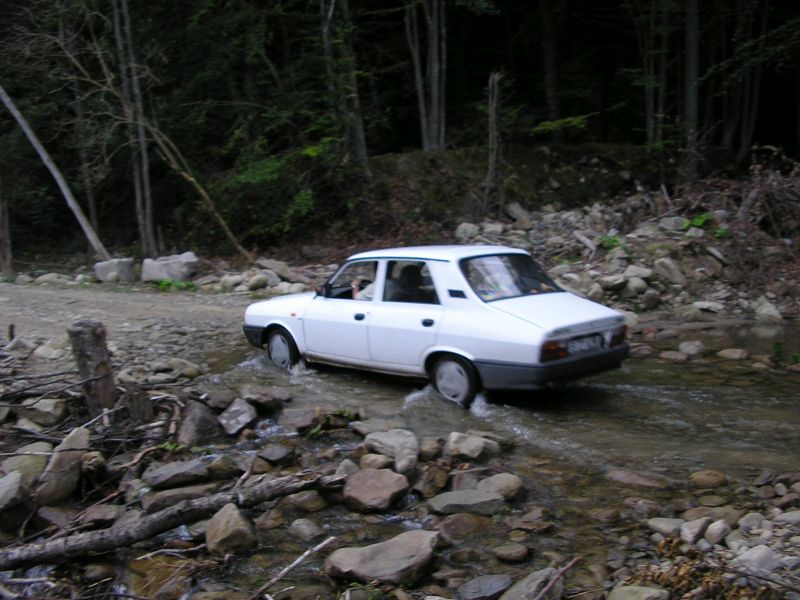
(515, 376)
(254, 335)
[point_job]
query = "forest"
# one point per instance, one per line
(231, 126)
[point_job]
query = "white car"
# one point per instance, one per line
(467, 317)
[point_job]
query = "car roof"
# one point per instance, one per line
(440, 253)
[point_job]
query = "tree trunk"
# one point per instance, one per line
(548, 44)
(88, 339)
(6, 261)
(188, 511)
(753, 96)
(73, 205)
(692, 107)
(358, 135)
(494, 140)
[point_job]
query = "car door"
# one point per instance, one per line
(403, 324)
(335, 326)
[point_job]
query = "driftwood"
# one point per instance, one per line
(80, 544)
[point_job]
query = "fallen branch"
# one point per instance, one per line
(288, 569)
(558, 575)
(188, 511)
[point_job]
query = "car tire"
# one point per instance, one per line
(455, 379)
(282, 350)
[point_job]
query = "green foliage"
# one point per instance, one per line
(328, 420)
(722, 232)
(609, 242)
(699, 221)
(574, 123)
(169, 285)
(782, 357)
(172, 447)
(372, 592)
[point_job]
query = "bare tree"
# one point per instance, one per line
(73, 205)
(547, 9)
(692, 82)
(6, 262)
(493, 98)
(429, 81)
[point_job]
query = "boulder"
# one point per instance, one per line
(237, 416)
(154, 501)
(44, 411)
(477, 502)
(115, 270)
(374, 489)
(15, 501)
(63, 472)
(708, 478)
(178, 267)
(485, 587)
(756, 559)
(533, 585)
(507, 485)
(470, 447)
(399, 561)
(31, 460)
(175, 474)
(766, 310)
(198, 425)
(400, 444)
(466, 231)
(228, 532)
(668, 269)
(665, 526)
(306, 530)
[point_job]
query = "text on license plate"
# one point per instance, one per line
(584, 344)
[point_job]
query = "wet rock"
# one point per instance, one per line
(400, 444)
(62, 474)
(31, 460)
(176, 473)
(399, 561)
(604, 515)
(632, 478)
(460, 526)
(716, 532)
(44, 411)
(272, 519)
(665, 526)
(512, 552)
(471, 501)
(15, 501)
(692, 531)
(308, 501)
(470, 447)
(638, 592)
(733, 354)
(306, 530)
(374, 489)
(507, 485)
(431, 481)
(237, 416)
(228, 532)
(267, 400)
(692, 348)
(535, 519)
(708, 479)
(766, 310)
(277, 454)
(102, 515)
(56, 516)
(534, 584)
(674, 356)
(220, 399)
(154, 501)
(375, 461)
(485, 587)
(199, 424)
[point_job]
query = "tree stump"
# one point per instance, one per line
(88, 339)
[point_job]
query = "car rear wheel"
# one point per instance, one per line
(455, 379)
(282, 350)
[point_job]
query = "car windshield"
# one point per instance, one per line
(500, 276)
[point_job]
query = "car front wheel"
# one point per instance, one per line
(282, 349)
(455, 379)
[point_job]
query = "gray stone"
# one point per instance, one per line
(178, 267)
(533, 585)
(755, 559)
(765, 310)
(636, 286)
(485, 587)
(669, 270)
(733, 354)
(175, 474)
(308, 501)
(507, 485)
(692, 348)
(712, 307)
(692, 531)
(375, 461)
(511, 552)
(237, 416)
(466, 231)
(400, 444)
(306, 530)
(477, 502)
(230, 281)
(632, 478)
(638, 592)
(44, 411)
(115, 270)
(30, 460)
(708, 479)
(63, 472)
(228, 532)
(650, 299)
(399, 561)
(612, 282)
(154, 501)
(638, 271)
(374, 489)
(673, 223)
(665, 526)
(15, 501)
(717, 531)
(277, 454)
(470, 447)
(198, 424)
(792, 517)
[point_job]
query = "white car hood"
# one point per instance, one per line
(560, 313)
(260, 313)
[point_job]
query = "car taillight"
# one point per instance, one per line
(553, 350)
(619, 336)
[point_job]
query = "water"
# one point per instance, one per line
(650, 415)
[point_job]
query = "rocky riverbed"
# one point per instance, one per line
(243, 481)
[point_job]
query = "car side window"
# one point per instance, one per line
(409, 281)
(355, 281)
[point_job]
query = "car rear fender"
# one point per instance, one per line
(434, 353)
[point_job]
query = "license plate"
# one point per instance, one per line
(584, 344)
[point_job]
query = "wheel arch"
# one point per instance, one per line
(431, 359)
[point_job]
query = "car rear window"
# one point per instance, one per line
(500, 276)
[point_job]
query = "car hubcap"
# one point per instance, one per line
(279, 351)
(452, 381)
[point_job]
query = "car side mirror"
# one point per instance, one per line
(324, 290)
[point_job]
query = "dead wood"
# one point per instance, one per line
(188, 511)
(88, 338)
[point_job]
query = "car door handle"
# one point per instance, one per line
(427, 322)
(359, 316)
